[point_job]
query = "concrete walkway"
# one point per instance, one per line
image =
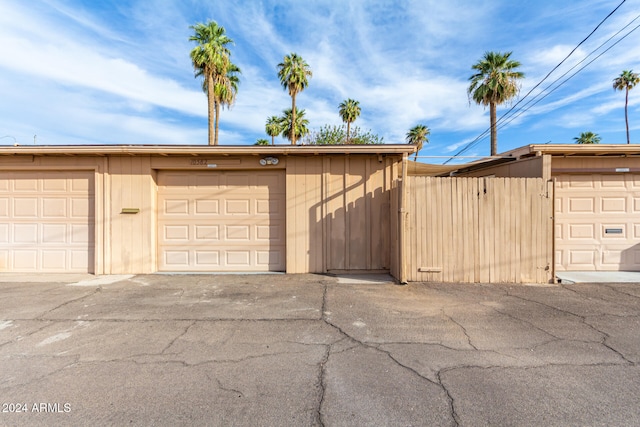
(599, 277)
(306, 350)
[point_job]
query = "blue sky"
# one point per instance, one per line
(118, 71)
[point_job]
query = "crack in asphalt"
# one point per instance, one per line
(345, 339)
(452, 406)
(71, 301)
(230, 390)
(582, 319)
(389, 356)
(614, 289)
(183, 333)
(464, 330)
(321, 385)
(48, 323)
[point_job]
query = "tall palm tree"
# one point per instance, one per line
(301, 124)
(349, 112)
(588, 138)
(495, 82)
(418, 135)
(226, 89)
(294, 74)
(626, 81)
(273, 127)
(224, 92)
(210, 59)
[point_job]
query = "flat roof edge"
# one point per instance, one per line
(575, 150)
(206, 150)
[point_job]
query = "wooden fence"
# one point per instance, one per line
(478, 230)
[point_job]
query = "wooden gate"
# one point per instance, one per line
(478, 230)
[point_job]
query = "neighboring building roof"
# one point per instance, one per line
(189, 150)
(574, 150)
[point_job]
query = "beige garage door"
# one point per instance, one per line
(46, 221)
(598, 222)
(221, 221)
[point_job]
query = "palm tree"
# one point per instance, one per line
(224, 92)
(301, 124)
(294, 73)
(273, 127)
(417, 135)
(262, 141)
(588, 138)
(626, 81)
(210, 59)
(349, 112)
(495, 83)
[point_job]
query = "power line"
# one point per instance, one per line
(483, 134)
(524, 110)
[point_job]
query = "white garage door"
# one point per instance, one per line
(46, 221)
(598, 222)
(221, 221)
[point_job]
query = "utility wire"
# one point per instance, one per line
(483, 134)
(524, 110)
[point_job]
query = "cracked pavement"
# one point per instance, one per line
(297, 350)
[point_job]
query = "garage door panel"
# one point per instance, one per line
(176, 207)
(582, 231)
(613, 232)
(584, 205)
(46, 221)
(268, 207)
(611, 182)
(580, 181)
(53, 260)
(242, 179)
(270, 258)
(612, 258)
(238, 233)
(231, 221)
(237, 207)
(207, 232)
(81, 234)
(613, 205)
(25, 260)
(25, 233)
(54, 184)
(79, 259)
(25, 207)
(599, 228)
(27, 185)
(208, 259)
(207, 207)
(585, 259)
(176, 233)
(54, 208)
(54, 233)
(176, 258)
(81, 207)
(238, 258)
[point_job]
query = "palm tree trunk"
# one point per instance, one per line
(494, 130)
(215, 142)
(211, 108)
(293, 119)
(348, 131)
(626, 116)
(273, 140)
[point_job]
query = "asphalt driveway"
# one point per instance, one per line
(298, 350)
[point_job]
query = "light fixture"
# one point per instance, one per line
(269, 161)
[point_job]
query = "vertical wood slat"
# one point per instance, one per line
(492, 230)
